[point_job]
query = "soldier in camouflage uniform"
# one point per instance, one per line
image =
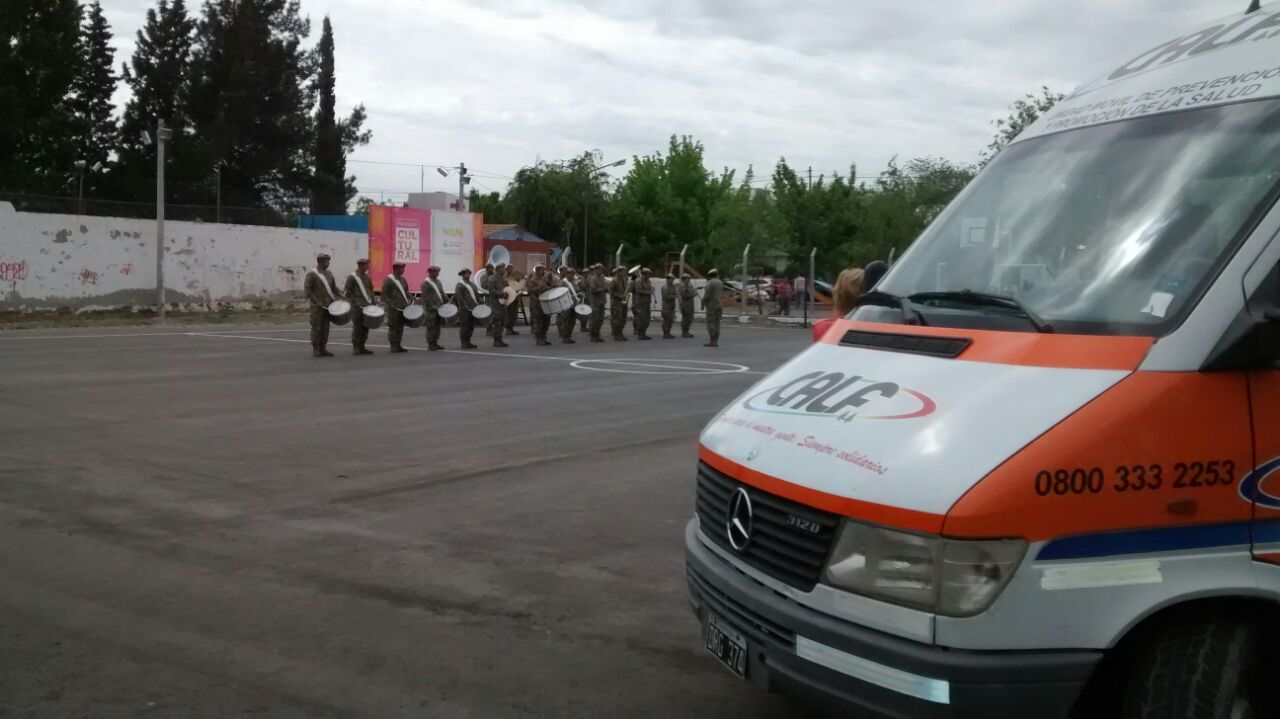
(688, 293)
(568, 319)
(513, 307)
(642, 303)
(597, 293)
(540, 282)
(359, 292)
(583, 297)
(711, 301)
(466, 296)
(495, 283)
(395, 295)
(670, 294)
(319, 289)
(619, 290)
(433, 298)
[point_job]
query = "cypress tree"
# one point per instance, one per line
(158, 75)
(94, 135)
(38, 58)
(331, 188)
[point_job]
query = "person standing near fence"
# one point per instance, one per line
(467, 297)
(670, 295)
(711, 295)
(619, 297)
(433, 298)
(395, 294)
(782, 291)
(642, 309)
(359, 292)
(319, 289)
(598, 291)
(688, 293)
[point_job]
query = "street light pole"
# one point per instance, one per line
(163, 134)
(218, 171)
(586, 206)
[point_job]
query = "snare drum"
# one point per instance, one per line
(447, 312)
(482, 312)
(582, 310)
(415, 316)
(339, 312)
(556, 300)
(372, 317)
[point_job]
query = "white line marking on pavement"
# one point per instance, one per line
(622, 366)
(573, 361)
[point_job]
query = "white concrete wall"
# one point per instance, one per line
(54, 261)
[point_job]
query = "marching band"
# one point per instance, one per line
(561, 296)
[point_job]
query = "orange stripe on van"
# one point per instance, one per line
(1029, 349)
(875, 513)
(1170, 447)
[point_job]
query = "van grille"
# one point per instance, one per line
(780, 550)
(912, 344)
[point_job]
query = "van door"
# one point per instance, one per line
(1261, 485)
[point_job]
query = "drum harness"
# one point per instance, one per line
(324, 280)
(363, 291)
(403, 294)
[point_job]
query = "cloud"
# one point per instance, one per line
(500, 84)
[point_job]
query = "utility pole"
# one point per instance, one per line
(163, 134)
(463, 181)
(746, 253)
(217, 170)
(808, 236)
(422, 178)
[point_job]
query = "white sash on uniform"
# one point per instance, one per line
(471, 291)
(363, 291)
(400, 287)
(325, 280)
(438, 290)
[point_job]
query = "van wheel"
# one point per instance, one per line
(1196, 669)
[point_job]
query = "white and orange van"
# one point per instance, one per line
(1037, 471)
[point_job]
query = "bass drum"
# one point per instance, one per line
(415, 316)
(339, 312)
(372, 317)
(556, 300)
(482, 312)
(447, 312)
(582, 310)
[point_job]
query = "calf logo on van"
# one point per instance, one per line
(1262, 485)
(836, 395)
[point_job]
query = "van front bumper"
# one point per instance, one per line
(799, 651)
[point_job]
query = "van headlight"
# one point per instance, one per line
(954, 577)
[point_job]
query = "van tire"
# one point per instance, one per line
(1200, 668)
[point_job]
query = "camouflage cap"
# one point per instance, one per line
(397, 264)
(362, 261)
(646, 271)
(686, 276)
(323, 256)
(713, 273)
(670, 276)
(463, 272)
(433, 268)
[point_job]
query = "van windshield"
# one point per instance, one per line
(1114, 229)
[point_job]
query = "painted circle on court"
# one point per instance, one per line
(660, 366)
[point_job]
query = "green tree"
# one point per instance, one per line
(250, 101)
(39, 40)
(331, 188)
(159, 78)
(94, 135)
(491, 205)
(1022, 113)
(665, 202)
(550, 198)
(743, 215)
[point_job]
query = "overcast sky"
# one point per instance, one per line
(500, 84)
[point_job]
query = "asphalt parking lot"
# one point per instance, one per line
(213, 522)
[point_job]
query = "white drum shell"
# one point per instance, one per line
(339, 312)
(415, 316)
(372, 317)
(482, 312)
(447, 311)
(556, 300)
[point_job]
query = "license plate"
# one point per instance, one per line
(727, 644)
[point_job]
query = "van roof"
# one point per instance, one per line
(1234, 59)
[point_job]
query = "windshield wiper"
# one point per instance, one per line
(985, 299)
(880, 298)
